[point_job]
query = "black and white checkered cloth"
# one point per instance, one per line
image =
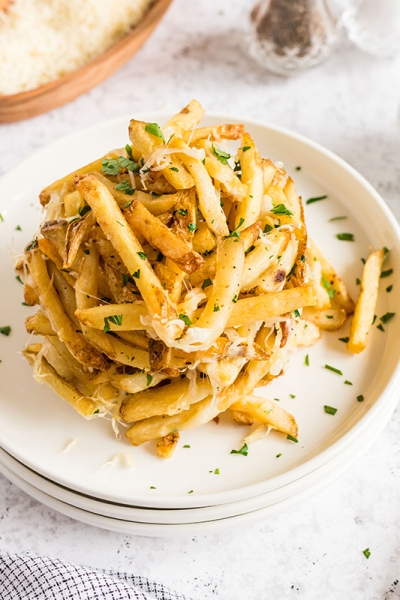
(30, 577)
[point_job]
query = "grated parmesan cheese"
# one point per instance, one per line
(41, 40)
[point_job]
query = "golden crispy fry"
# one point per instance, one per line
(203, 240)
(50, 302)
(127, 316)
(186, 120)
(329, 320)
(265, 251)
(258, 308)
(223, 173)
(269, 412)
(30, 296)
(216, 132)
(164, 239)
(137, 382)
(168, 399)
(342, 296)
(167, 445)
(114, 224)
(39, 324)
(366, 302)
(73, 202)
(248, 211)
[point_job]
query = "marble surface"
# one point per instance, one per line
(349, 104)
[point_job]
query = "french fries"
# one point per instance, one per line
(174, 278)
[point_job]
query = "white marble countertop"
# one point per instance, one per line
(348, 104)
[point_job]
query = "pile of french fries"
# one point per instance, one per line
(173, 279)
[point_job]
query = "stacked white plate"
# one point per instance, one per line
(80, 469)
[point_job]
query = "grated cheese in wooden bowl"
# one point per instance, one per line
(41, 40)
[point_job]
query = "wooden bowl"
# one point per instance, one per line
(16, 107)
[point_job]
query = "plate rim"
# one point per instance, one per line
(391, 386)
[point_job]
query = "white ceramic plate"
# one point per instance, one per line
(36, 425)
(323, 474)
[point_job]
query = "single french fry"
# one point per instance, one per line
(65, 292)
(248, 211)
(186, 120)
(258, 308)
(366, 303)
(44, 373)
(137, 382)
(203, 240)
(161, 237)
(39, 324)
(114, 224)
(50, 302)
(322, 297)
(217, 132)
(73, 202)
(342, 296)
(328, 320)
(129, 316)
(170, 399)
(269, 412)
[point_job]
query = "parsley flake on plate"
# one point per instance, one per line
(330, 410)
(316, 199)
(244, 450)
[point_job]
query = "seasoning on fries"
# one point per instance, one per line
(174, 276)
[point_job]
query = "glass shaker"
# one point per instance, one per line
(291, 35)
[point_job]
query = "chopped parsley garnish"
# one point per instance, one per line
(216, 472)
(127, 204)
(373, 320)
(249, 249)
(190, 492)
(236, 233)
(389, 288)
(149, 379)
(387, 317)
(18, 228)
(298, 168)
(5, 330)
(125, 187)
(303, 258)
(206, 283)
(279, 455)
(267, 228)
(142, 255)
(182, 211)
(86, 251)
(185, 319)
(129, 151)
(386, 273)
(245, 148)
(296, 313)
(358, 281)
(204, 161)
(111, 166)
(192, 227)
(380, 327)
(136, 274)
(235, 299)
(174, 169)
(347, 382)
(345, 237)
(186, 446)
(292, 395)
(1, 218)
(18, 278)
(281, 209)
(221, 155)
(385, 250)
(316, 199)
(152, 487)
(333, 369)
(125, 279)
(96, 412)
(116, 319)
(216, 308)
(276, 399)
(119, 223)
(366, 553)
(244, 450)
(292, 439)
(330, 410)
(307, 361)
(327, 286)
(363, 261)
(337, 219)
(84, 210)
(360, 398)
(155, 129)
(32, 245)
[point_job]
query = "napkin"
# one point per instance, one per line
(28, 576)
